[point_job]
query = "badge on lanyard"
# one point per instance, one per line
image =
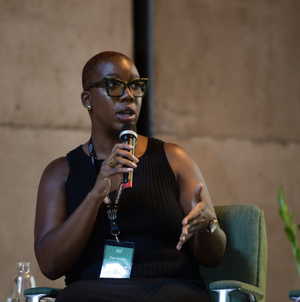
(118, 258)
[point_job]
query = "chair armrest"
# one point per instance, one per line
(36, 293)
(224, 287)
(295, 295)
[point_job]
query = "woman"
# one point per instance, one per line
(167, 214)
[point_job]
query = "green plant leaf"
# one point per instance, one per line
(297, 255)
(290, 227)
(291, 235)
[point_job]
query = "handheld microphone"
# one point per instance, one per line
(128, 136)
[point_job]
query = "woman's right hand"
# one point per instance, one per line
(119, 161)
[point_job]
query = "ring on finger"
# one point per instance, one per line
(111, 163)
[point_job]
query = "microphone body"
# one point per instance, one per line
(128, 136)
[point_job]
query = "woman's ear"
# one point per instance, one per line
(85, 99)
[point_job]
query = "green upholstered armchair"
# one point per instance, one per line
(295, 295)
(242, 274)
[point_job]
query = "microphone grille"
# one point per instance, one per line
(128, 126)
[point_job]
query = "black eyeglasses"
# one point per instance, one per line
(116, 87)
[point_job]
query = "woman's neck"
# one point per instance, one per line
(103, 144)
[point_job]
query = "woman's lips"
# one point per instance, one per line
(127, 114)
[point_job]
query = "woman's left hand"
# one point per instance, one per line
(198, 219)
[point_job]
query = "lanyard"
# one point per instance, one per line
(111, 208)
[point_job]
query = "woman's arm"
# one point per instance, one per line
(198, 209)
(60, 240)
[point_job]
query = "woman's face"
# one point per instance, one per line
(109, 111)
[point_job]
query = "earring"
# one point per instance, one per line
(88, 107)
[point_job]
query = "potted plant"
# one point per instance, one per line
(290, 230)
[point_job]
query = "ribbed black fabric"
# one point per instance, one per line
(150, 216)
(134, 290)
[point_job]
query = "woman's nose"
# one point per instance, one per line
(127, 94)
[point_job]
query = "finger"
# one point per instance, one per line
(122, 158)
(124, 150)
(193, 216)
(179, 245)
(183, 236)
(182, 240)
(111, 163)
(195, 220)
(197, 193)
(107, 171)
(118, 170)
(123, 146)
(126, 159)
(124, 162)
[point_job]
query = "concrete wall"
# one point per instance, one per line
(44, 45)
(227, 89)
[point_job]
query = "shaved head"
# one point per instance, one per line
(91, 66)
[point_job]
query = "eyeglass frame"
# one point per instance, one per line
(126, 85)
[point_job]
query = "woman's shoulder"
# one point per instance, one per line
(175, 151)
(179, 159)
(172, 150)
(57, 169)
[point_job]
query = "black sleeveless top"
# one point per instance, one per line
(149, 215)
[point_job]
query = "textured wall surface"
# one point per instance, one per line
(44, 45)
(227, 89)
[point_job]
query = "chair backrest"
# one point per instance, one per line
(245, 258)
